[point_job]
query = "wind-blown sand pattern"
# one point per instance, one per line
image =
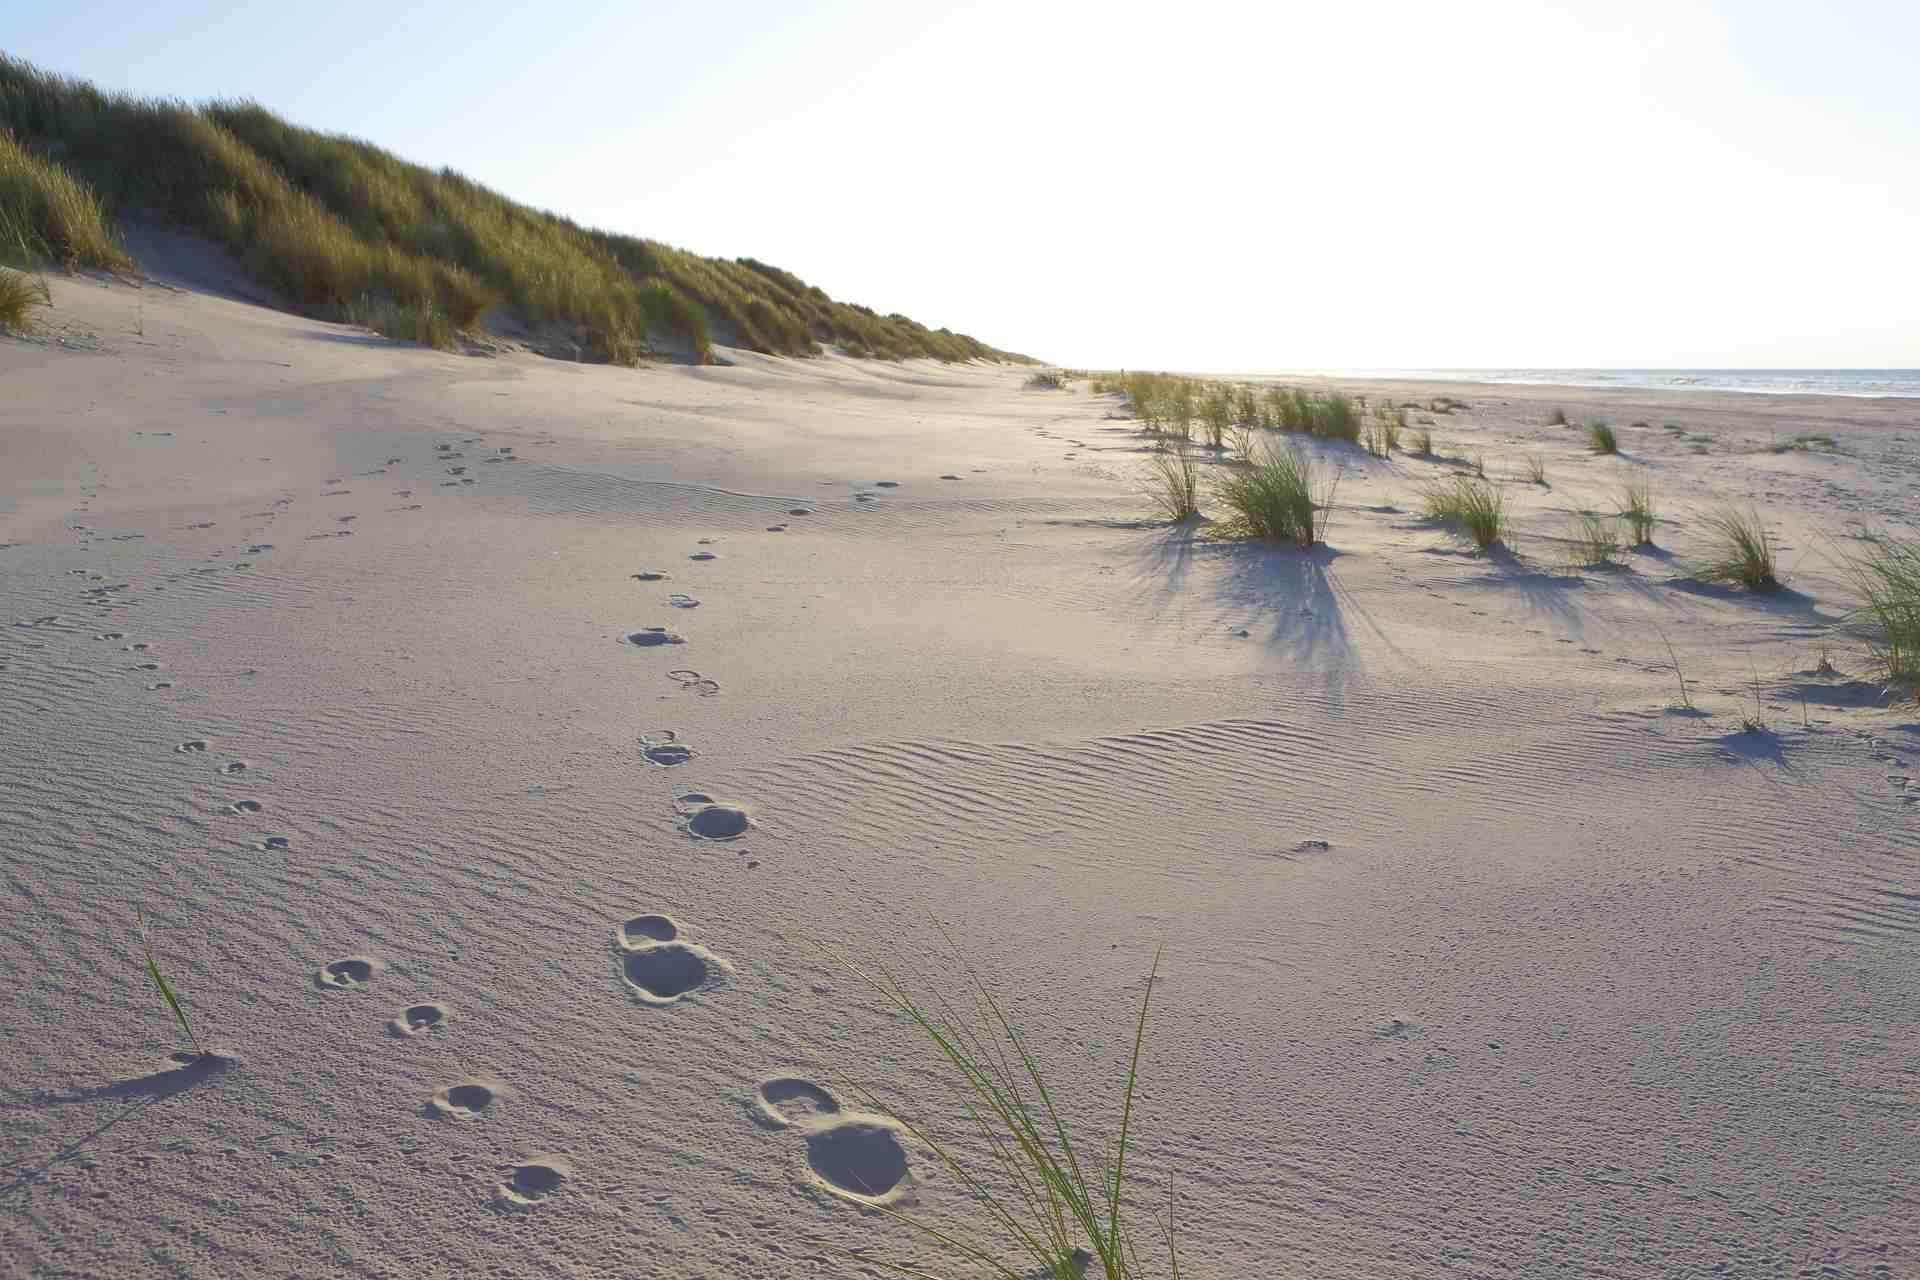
(1483, 957)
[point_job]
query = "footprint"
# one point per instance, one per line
(866, 497)
(776, 528)
(652, 638)
(703, 555)
(666, 972)
(467, 1100)
(191, 747)
(111, 635)
(949, 477)
(161, 684)
(234, 767)
(644, 930)
(652, 575)
(347, 974)
(886, 484)
(693, 681)
(275, 843)
(663, 747)
(680, 600)
(245, 806)
(416, 1018)
(799, 511)
(861, 1159)
(533, 1180)
(709, 819)
(784, 1102)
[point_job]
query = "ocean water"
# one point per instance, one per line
(1780, 382)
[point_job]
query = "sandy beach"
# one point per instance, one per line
(501, 749)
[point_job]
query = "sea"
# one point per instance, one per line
(1775, 382)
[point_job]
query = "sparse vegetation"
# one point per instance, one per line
(1382, 432)
(1056, 1204)
(331, 223)
(1636, 508)
(20, 296)
(1887, 576)
(1478, 510)
(1595, 540)
(1278, 496)
(1536, 468)
(1804, 444)
(1173, 481)
(1047, 380)
(160, 983)
(1558, 418)
(1742, 550)
(1422, 442)
(1600, 438)
(1686, 700)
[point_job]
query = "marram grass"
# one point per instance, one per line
(1740, 552)
(1477, 509)
(1055, 1203)
(164, 987)
(20, 296)
(1278, 496)
(1172, 482)
(1887, 577)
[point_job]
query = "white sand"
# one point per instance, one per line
(1578, 986)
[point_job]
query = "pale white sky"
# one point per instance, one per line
(1202, 185)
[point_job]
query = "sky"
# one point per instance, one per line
(1371, 184)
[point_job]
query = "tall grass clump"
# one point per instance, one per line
(1173, 482)
(1279, 496)
(1422, 442)
(1600, 438)
(1741, 552)
(46, 214)
(1472, 506)
(1888, 579)
(1047, 380)
(1216, 415)
(1636, 508)
(20, 296)
(1382, 433)
(1056, 1201)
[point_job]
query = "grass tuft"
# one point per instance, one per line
(1047, 380)
(20, 296)
(1558, 418)
(1536, 468)
(1057, 1203)
(1742, 551)
(1888, 579)
(1600, 438)
(1277, 496)
(1636, 508)
(1422, 442)
(1472, 506)
(1595, 540)
(1173, 482)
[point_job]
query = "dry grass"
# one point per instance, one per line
(20, 296)
(47, 215)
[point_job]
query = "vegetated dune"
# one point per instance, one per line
(499, 748)
(344, 230)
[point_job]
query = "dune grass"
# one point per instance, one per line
(1056, 1203)
(1478, 510)
(1600, 438)
(1637, 509)
(20, 296)
(1173, 482)
(1421, 442)
(1280, 496)
(160, 983)
(1381, 435)
(1595, 540)
(327, 221)
(1686, 699)
(1558, 418)
(1047, 380)
(46, 215)
(1536, 468)
(1741, 550)
(1887, 576)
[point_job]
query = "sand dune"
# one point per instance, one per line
(494, 743)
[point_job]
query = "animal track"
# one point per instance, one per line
(467, 1100)
(348, 974)
(233, 768)
(280, 843)
(659, 967)
(652, 575)
(663, 747)
(709, 819)
(245, 806)
(703, 555)
(856, 1156)
(692, 680)
(533, 1180)
(191, 747)
(416, 1018)
(652, 637)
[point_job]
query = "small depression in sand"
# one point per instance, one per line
(464, 1101)
(347, 974)
(711, 819)
(666, 972)
(785, 1101)
(860, 1159)
(652, 638)
(534, 1180)
(668, 754)
(416, 1018)
(652, 575)
(642, 931)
